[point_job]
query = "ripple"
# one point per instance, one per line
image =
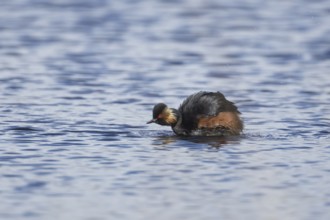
(12, 176)
(273, 149)
(152, 133)
(96, 158)
(173, 62)
(8, 158)
(126, 101)
(53, 134)
(23, 128)
(31, 186)
(283, 57)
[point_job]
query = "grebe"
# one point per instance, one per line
(203, 113)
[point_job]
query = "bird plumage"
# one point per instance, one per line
(203, 113)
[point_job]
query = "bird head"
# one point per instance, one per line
(163, 115)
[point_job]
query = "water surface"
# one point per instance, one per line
(78, 81)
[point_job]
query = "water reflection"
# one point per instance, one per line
(199, 141)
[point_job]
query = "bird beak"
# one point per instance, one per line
(152, 121)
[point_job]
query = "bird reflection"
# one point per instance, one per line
(211, 141)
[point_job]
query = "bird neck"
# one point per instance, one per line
(177, 127)
(177, 115)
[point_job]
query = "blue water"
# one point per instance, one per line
(78, 81)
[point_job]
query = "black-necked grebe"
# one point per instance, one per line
(203, 113)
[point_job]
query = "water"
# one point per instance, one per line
(78, 81)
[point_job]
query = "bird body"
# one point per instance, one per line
(203, 113)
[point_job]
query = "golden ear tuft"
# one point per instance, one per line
(169, 116)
